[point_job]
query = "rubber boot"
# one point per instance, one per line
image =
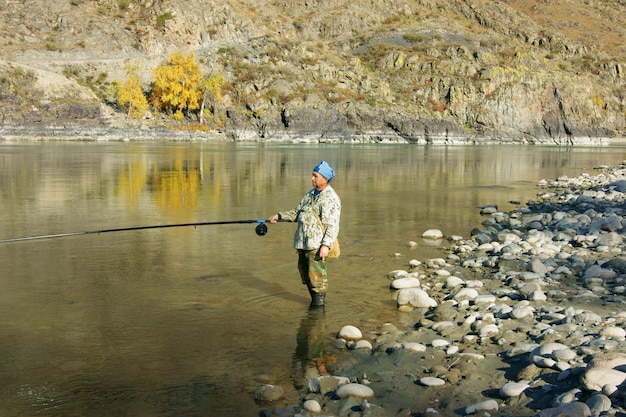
(317, 298)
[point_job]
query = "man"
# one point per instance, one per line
(318, 216)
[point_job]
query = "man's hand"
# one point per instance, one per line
(273, 218)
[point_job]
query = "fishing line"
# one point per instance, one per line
(261, 229)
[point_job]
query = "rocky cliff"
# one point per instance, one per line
(423, 71)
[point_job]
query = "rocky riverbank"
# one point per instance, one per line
(522, 318)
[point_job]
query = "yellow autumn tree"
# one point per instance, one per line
(211, 89)
(130, 96)
(175, 87)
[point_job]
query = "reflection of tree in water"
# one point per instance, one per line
(177, 184)
(132, 182)
(308, 359)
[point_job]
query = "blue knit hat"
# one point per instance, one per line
(325, 170)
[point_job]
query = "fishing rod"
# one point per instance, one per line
(261, 229)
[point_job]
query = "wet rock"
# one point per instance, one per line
(355, 390)
(415, 297)
(350, 332)
(268, 393)
(432, 234)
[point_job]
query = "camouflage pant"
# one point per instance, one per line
(312, 270)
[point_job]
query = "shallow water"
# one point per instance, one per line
(187, 321)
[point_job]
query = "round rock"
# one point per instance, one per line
(595, 378)
(312, 406)
(432, 234)
(355, 390)
(349, 332)
(415, 297)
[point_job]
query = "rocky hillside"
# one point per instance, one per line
(425, 71)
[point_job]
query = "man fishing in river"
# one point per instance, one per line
(318, 215)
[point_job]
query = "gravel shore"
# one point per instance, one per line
(522, 318)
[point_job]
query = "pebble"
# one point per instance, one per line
(451, 350)
(431, 381)
(312, 406)
(453, 282)
(350, 332)
(432, 234)
(415, 297)
(488, 330)
(414, 263)
(397, 273)
(414, 346)
(442, 325)
(363, 344)
(487, 405)
(513, 389)
(465, 294)
(437, 343)
(406, 282)
(355, 390)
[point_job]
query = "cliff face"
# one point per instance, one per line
(332, 70)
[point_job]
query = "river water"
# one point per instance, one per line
(188, 321)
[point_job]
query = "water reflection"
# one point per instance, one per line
(178, 321)
(308, 358)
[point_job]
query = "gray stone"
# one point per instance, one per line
(575, 409)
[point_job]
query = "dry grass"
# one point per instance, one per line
(598, 23)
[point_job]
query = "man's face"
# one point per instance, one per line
(318, 181)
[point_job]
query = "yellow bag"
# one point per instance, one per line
(335, 250)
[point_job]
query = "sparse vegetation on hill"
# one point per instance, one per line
(418, 71)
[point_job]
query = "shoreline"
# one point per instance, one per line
(522, 318)
(71, 133)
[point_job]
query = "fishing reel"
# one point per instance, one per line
(261, 229)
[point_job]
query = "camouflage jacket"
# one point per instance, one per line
(309, 233)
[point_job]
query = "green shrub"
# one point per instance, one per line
(413, 37)
(162, 18)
